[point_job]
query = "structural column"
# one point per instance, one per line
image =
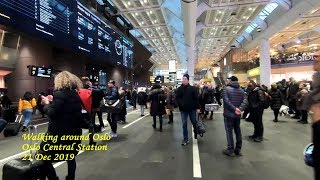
(265, 63)
(190, 65)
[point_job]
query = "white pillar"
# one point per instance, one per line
(265, 63)
(191, 67)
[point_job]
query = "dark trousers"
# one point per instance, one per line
(50, 172)
(134, 103)
(155, 121)
(304, 116)
(193, 118)
(93, 117)
(113, 122)
(207, 113)
(218, 99)
(3, 124)
(40, 108)
(256, 119)
(276, 113)
(171, 116)
(233, 124)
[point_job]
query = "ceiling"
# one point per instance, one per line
(158, 25)
(302, 35)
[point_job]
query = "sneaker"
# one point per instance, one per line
(103, 130)
(111, 134)
(228, 152)
(258, 139)
(115, 135)
(142, 115)
(185, 142)
(275, 120)
(210, 118)
(304, 122)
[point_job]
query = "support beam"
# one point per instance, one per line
(151, 26)
(201, 25)
(286, 4)
(140, 9)
(247, 36)
(204, 7)
(142, 38)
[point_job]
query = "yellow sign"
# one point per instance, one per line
(253, 72)
(152, 78)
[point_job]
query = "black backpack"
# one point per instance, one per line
(266, 100)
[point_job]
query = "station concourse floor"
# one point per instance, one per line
(142, 153)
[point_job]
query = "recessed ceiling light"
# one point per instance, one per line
(219, 12)
(142, 23)
(155, 21)
(145, 1)
(212, 33)
(158, 28)
(250, 9)
(129, 3)
(150, 12)
(217, 19)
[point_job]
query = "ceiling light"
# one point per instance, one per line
(158, 28)
(155, 21)
(150, 12)
(136, 14)
(145, 1)
(212, 33)
(142, 23)
(129, 3)
(250, 9)
(244, 17)
(217, 19)
(219, 12)
(237, 26)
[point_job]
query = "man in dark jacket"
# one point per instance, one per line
(235, 101)
(112, 94)
(134, 97)
(293, 89)
(187, 98)
(97, 96)
(256, 99)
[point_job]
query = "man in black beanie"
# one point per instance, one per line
(187, 98)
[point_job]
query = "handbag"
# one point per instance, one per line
(111, 106)
(168, 112)
(308, 159)
(201, 127)
(85, 119)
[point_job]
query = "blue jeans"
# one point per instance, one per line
(3, 124)
(230, 125)
(27, 113)
(184, 116)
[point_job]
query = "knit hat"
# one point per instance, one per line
(187, 76)
(233, 78)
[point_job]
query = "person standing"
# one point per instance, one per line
(293, 89)
(276, 100)
(256, 100)
(142, 100)
(121, 117)
(112, 94)
(134, 98)
(303, 91)
(187, 98)
(234, 101)
(208, 97)
(217, 94)
(26, 105)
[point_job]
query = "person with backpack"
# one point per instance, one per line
(26, 105)
(158, 102)
(257, 104)
(234, 102)
(142, 100)
(276, 100)
(112, 94)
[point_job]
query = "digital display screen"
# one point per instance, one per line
(68, 24)
(41, 71)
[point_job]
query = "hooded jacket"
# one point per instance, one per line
(255, 99)
(233, 97)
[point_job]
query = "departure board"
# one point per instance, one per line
(69, 24)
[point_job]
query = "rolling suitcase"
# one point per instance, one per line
(19, 169)
(12, 129)
(9, 114)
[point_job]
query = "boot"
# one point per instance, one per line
(70, 178)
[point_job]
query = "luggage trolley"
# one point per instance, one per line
(212, 107)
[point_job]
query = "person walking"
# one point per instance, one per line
(157, 108)
(112, 94)
(142, 100)
(26, 105)
(170, 102)
(234, 102)
(303, 91)
(188, 103)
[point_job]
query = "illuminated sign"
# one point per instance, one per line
(253, 72)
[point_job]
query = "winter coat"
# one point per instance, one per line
(170, 101)
(301, 95)
(142, 98)
(157, 99)
(314, 96)
(208, 96)
(64, 114)
(276, 98)
(233, 97)
(256, 98)
(293, 89)
(187, 98)
(97, 96)
(122, 97)
(112, 94)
